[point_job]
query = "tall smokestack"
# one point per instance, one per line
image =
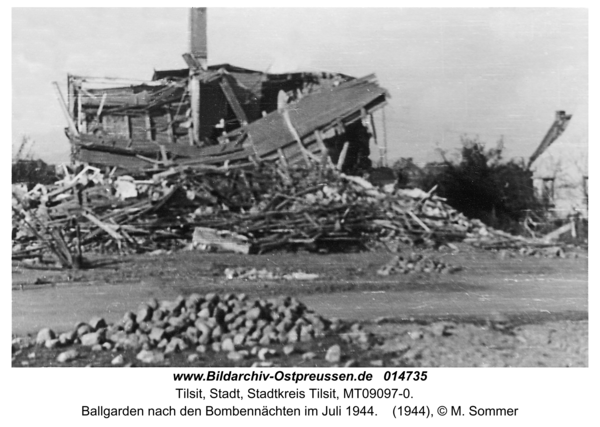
(197, 61)
(198, 37)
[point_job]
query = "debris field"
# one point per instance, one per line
(225, 159)
(235, 330)
(256, 210)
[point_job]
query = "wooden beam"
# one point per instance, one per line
(385, 145)
(374, 133)
(128, 126)
(195, 103)
(170, 126)
(288, 122)
(65, 110)
(163, 155)
(108, 228)
(248, 186)
(148, 127)
(342, 158)
(325, 160)
(561, 230)
(88, 93)
(191, 62)
(105, 123)
(558, 127)
(320, 142)
(79, 112)
(71, 95)
(232, 99)
(102, 101)
(311, 155)
(418, 221)
(282, 157)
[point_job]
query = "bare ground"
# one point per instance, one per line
(498, 311)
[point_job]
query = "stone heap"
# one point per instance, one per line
(230, 323)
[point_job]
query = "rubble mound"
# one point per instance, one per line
(251, 273)
(416, 263)
(246, 211)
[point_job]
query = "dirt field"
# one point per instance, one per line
(498, 311)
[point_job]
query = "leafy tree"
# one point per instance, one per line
(482, 185)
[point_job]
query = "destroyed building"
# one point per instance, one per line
(192, 130)
(222, 115)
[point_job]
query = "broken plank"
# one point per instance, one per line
(319, 139)
(342, 158)
(99, 112)
(170, 126)
(194, 88)
(106, 227)
(79, 114)
(233, 101)
(282, 157)
(290, 126)
(373, 132)
(128, 126)
(148, 127)
(559, 231)
(418, 221)
(65, 110)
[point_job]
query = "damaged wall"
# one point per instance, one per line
(150, 123)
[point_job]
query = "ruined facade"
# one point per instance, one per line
(221, 115)
(242, 116)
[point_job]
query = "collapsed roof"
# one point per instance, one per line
(222, 115)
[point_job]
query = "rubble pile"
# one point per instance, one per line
(538, 252)
(266, 208)
(416, 263)
(549, 252)
(251, 273)
(231, 323)
(384, 343)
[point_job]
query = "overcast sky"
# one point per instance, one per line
(486, 72)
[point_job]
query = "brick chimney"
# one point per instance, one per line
(198, 36)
